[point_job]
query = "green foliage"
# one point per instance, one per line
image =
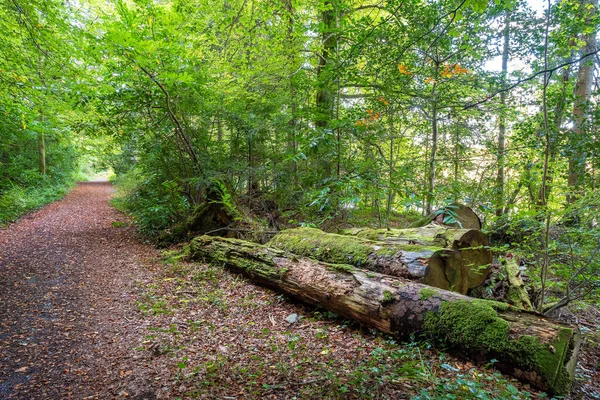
(321, 114)
(472, 385)
(155, 204)
(21, 199)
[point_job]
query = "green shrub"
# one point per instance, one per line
(155, 203)
(18, 200)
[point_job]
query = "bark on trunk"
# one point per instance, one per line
(502, 119)
(446, 267)
(582, 93)
(42, 151)
(527, 346)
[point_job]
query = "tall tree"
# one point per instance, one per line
(588, 14)
(500, 176)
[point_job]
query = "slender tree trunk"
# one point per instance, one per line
(456, 159)
(252, 184)
(583, 91)
(252, 179)
(41, 151)
(543, 197)
(41, 140)
(500, 178)
(292, 143)
(434, 144)
(325, 100)
(388, 206)
(219, 127)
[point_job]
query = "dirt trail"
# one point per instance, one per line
(68, 286)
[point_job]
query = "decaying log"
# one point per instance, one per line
(527, 346)
(465, 217)
(505, 283)
(428, 235)
(457, 268)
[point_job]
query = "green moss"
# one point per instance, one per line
(225, 251)
(470, 324)
(388, 297)
(476, 326)
(341, 267)
(369, 234)
(329, 247)
(426, 293)
(337, 249)
(496, 305)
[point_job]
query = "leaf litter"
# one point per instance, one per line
(88, 311)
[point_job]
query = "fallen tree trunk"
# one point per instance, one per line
(457, 269)
(455, 216)
(527, 346)
(428, 235)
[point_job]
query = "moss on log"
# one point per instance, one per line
(458, 269)
(517, 293)
(428, 235)
(472, 244)
(527, 346)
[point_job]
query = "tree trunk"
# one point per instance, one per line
(42, 151)
(583, 91)
(502, 119)
(458, 269)
(41, 140)
(292, 144)
(325, 99)
(434, 145)
(536, 350)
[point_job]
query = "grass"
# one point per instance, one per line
(17, 201)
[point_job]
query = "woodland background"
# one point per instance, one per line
(327, 113)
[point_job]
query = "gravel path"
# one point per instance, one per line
(69, 279)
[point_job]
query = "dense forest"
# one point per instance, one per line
(323, 113)
(329, 114)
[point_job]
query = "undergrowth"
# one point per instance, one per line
(155, 204)
(18, 200)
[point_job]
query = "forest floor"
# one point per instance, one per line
(89, 311)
